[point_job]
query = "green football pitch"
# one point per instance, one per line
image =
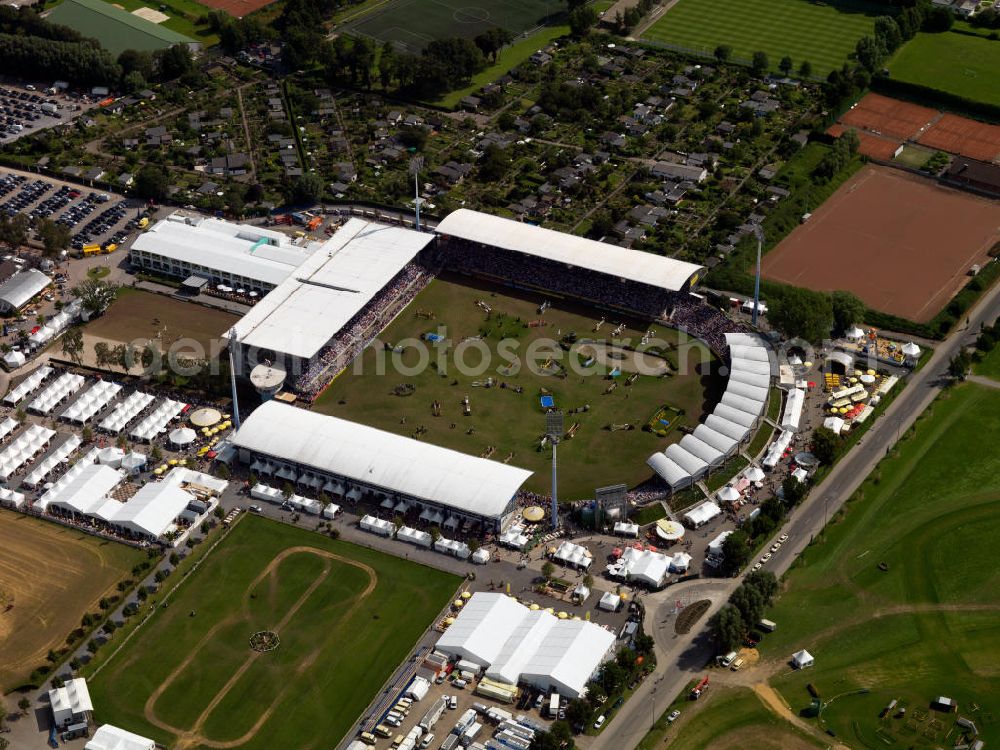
(345, 617)
(411, 24)
(900, 597)
(961, 62)
(506, 424)
(824, 33)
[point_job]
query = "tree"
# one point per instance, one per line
(959, 366)
(750, 604)
(785, 66)
(102, 354)
(24, 704)
(306, 189)
(760, 63)
(802, 313)
(727, 628)
(763, 581)
(805, 69)
(95, 295)
(492, 41)
(793, 491)
(287, 490)
(848, 309)
(735, 552)
(14, 230)
(494, 164)
(723, 53)
(644, 644)
(152, 183)
(174, 61)
(612, 677)
(578, 712)
(825, 445)
(582, 20)
(55, 237)
(72, 344)
(548, 569)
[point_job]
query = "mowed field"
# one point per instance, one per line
(958, 63)
(54, 575)
(147, 316)
(512, 423)
(902, 243)
(929, 625)
(346, 617)
(411, 24)
(824, 33)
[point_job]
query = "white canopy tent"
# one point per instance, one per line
(792, 415)
(646, 567)
(183, 436)
(834, 424)
(91, 402)
(728, 494)
(624, 528)
(777, 449)
(377, 526)
(575, 555)
(518, 645)
(157, 421)
(23, 448)
(65, 385)
(702, 514)
(802, 659)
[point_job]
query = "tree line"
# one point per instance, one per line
(731, 624)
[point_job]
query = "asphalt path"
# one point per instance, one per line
(681, 658)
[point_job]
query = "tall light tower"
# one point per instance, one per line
(554, 431)
(416, 164)
(233, 343)
(759, 233)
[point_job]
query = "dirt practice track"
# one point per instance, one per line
(902, 243)
(236, 8)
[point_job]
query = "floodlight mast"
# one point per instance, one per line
(415, 164)
(233, 342)
(554, 430)
(759, 233)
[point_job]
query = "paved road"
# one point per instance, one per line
(681, 658)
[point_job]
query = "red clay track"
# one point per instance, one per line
(236, 8)
(903, 244)
(960, 135)
(889, 117)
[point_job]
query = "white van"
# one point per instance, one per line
(427, 740)
(725, 661)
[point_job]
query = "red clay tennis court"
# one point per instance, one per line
(960, 135)
(236, 8)
(872, 146)
(889, 117)
(902, 243)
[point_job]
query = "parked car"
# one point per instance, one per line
(672, 716)
(600, 721)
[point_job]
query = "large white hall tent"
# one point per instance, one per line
(516, 644)
(382, 461)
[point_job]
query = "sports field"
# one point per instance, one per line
(52, 575)
(167, 322)
(345, 618)
(902, 243)
(116, 29)
(411, 24)
(509, 422)
(957, 63)
(824, 33)
(929, 623)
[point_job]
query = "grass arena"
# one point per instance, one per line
(273, 607)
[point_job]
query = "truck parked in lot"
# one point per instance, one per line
(554, 706)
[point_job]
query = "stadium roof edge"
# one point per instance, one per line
(548, 244)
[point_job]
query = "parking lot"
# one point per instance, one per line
(93, 216)
(27, 109)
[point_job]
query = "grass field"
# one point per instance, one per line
(962, 61)
(411, 24)
(989, 366)
(144, 315)
(346, 617)
(513, 422)
(116, 29)
(55, 575)
(824, 33)
(928, 624)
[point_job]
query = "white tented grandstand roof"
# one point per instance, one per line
(110, 737)
(304, 312)
(236, 249)
(516, 644)
(633, 265)
(381, 459)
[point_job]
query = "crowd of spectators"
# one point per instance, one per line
(353, 337)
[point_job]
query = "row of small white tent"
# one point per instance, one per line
(419, 538)
(59, 456)
(28, 386)
(126, 411)
(65, 385)
(90, 403)
(273, 495)
(24, 448)
(157, 421)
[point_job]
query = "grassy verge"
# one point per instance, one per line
(649, 514)
(509, 58)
